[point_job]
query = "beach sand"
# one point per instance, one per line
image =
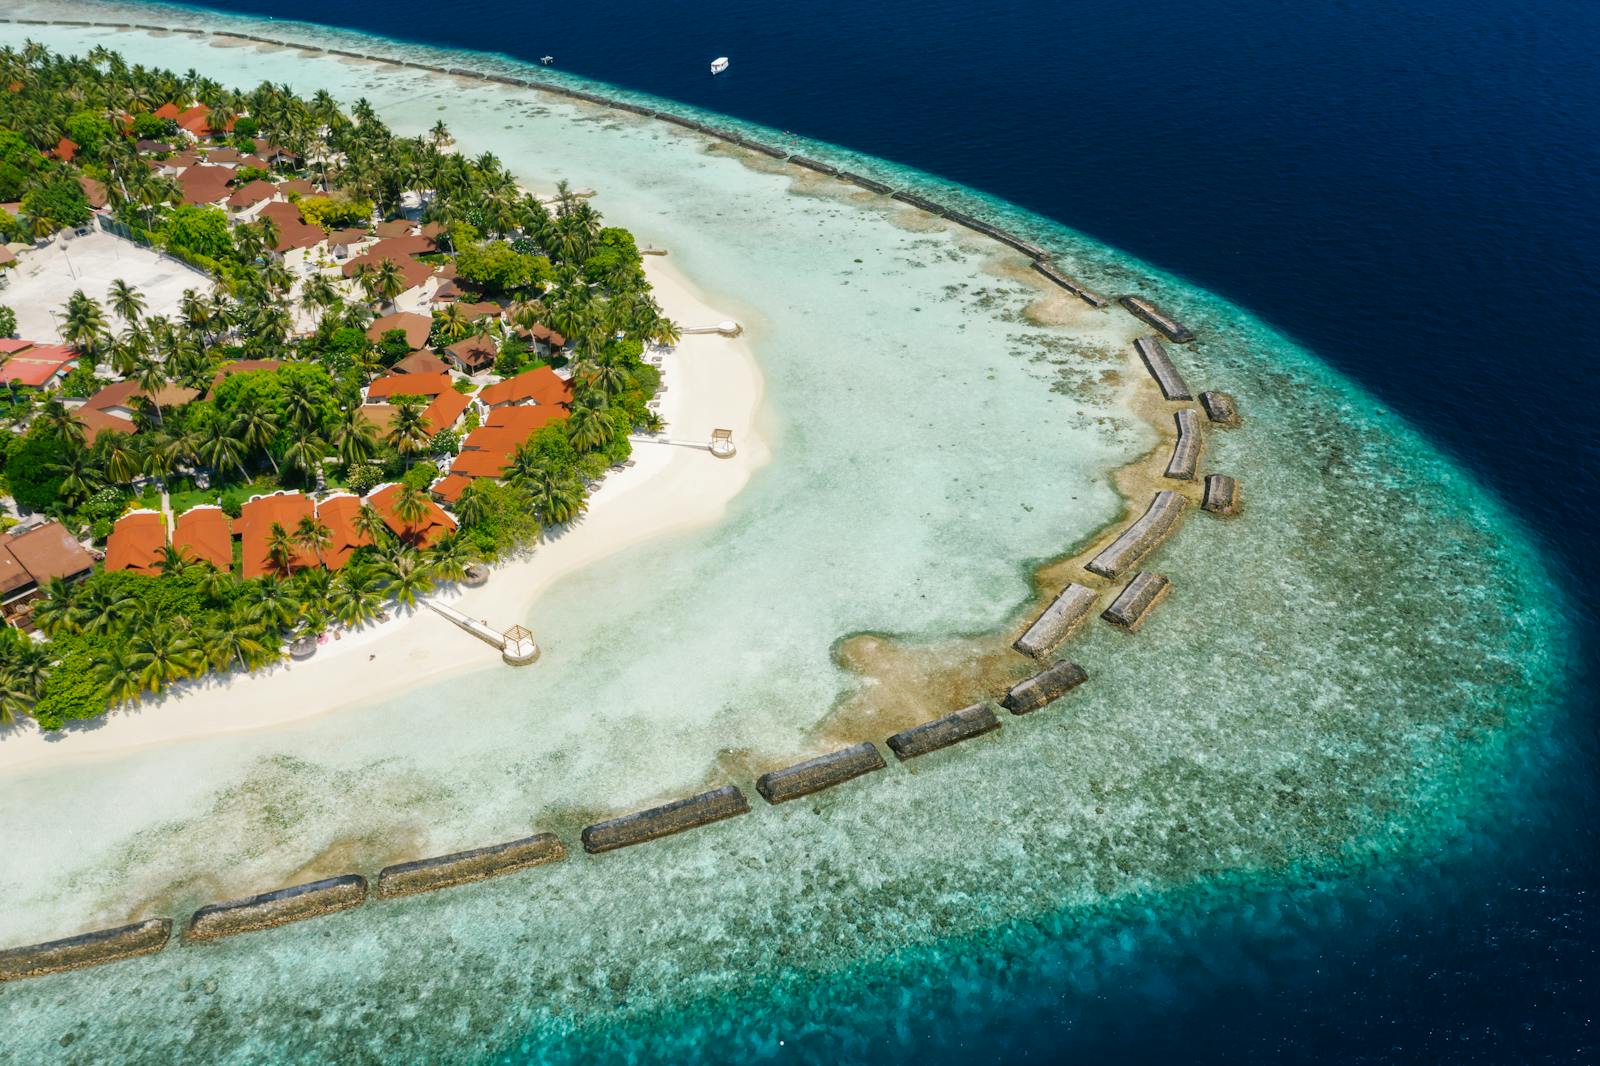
(712, 382)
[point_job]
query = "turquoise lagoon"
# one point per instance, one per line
(1348, 679)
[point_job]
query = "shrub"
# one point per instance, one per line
(232, 504)
(8, 322)
(364, 478)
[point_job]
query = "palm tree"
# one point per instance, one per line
(118, 675)
(173, 562)
(556, 500)
(355, 439)
(590, 427)
(79, 477)
(233, 639)
(15, 697)
(305, 454)
(409, 433)
(152, 378)
(281, 549)
(453, 323)
(411, 507)
(122, 459)
(472, 506)
(406, 576)
(62, 424)
(384, 282)
(84, 324)
(314, 534)
(353, 598)
(162, 655)
(370, 524)
(220, 450)
(215, 584)
(56, 613)
(256, 426)
(126, 302)
(271, 603)
(451, 556)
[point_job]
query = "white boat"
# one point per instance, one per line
(719, 64)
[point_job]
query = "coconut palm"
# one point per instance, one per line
(16, 699)
(409, 433)
(411, 507)
(152, 378)
(80, 479)
(56, 613)
(256, 426)
(62, 424)
(383, 282)
(270, 604)
(314, 534)
(172, 562)
(122, 459)
(590, 427)
(406, 576)
(305, 453)
(556, 500)
(354, 597)
(233, 640)
(472, 506)
(281, 549)
(354, 439)
(117, 675)
(162, 654)
(126, 302)
(451, 556)
(220, 450)
(453, 323)
(215, 584)
(370, 524)
(84, 324)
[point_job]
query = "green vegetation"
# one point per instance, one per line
(118, 637)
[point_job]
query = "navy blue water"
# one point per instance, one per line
(1409, 188)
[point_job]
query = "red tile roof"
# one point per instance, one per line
(204, 535)
(395, 227)
(527, 419)
(338, 513)
(255, 525)
(450, 487)
(445, 409)
(136, 542)
(379, 415)
(97, 422)
(36, 364)
(64, 150)
(427, 531)
(540, 385)
(203, 184)
(395, 247)
(168, 110)
(480, 463)
(421, 363)
(408, 385)
(40, 554)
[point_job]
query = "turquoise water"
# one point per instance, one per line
(1351, 676)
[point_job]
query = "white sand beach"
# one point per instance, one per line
(712, 382)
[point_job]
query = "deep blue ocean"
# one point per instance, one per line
(1410, 189)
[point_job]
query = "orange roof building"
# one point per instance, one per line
(445, 410)
(421, 363)
(450, 487)
(338, 513)
(408, 385)
(541, 385)
(136, 542)
(529, 420)
(474, 462)
(434, 526)
(204, 535)
(255, 524)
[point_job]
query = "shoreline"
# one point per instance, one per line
(716, 382)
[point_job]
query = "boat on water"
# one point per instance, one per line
(719, 64)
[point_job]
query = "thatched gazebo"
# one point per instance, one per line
(722, 444)
(519, 648)
(303, 647)
(476, 575)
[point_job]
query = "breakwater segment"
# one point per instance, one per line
(1156, 360)
(87, 949)
(814, 775)
(1186, 450)
(268, 909)
(1134, 604)
(964, 724)
(1044, 688)
(464, 867)
(1141, 538)
(1147, 311)
(669, 818)
(1057, 620)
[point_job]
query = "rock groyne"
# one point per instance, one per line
(1141, 538)
(87, 949)
(665, 820)
(269, 909)
(1144, 309)
(1186, 450)
(824, 771)
(1159, 363)
(1052, 626)
(964, 724)
(464, 867)
(1131, 607)
(1044, 688)
(1222, 495)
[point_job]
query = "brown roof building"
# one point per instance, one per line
(472, 355)
(203, 184)
(31, 559)
(541, 385)
(408, 385)
(421, 363)
(427, 531)
(417, 327)
(251, 193)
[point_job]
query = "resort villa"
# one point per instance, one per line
(31, 556)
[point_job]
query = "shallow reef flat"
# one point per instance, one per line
(1351, 672)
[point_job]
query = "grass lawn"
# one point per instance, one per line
(188, 496)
